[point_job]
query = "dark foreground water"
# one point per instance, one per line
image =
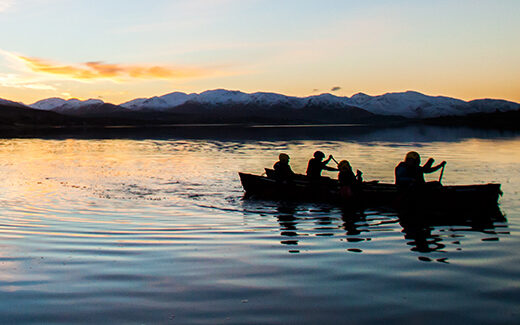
(155, 230)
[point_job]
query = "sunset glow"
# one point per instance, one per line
(100, 70)
(122, 50)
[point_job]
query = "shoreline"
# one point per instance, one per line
(402, 132)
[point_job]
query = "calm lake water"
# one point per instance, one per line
(149, 229)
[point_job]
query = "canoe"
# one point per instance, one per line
(373, 194)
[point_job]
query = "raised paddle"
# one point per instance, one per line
(337, 163)
(442, 172)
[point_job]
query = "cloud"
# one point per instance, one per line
(14, 81)
(100, 70)
(335, 88)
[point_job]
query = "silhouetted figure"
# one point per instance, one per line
(409, 174)
(317, 165)
(349, 184)
(282, 170)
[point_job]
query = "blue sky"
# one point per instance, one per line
(464, 49)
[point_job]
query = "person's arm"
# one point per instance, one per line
(427, 168)
(327, 160)
(325, 167)
(332, 169)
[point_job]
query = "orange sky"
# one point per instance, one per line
(122, 50)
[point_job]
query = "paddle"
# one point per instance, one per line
(337, 163)
(442, 172)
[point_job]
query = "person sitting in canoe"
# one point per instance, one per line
(409, 174)
(349, 183)
(282, 170)
(317, 165)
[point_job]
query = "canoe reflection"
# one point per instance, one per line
(288, 223)
(419, 229)
(423, 232)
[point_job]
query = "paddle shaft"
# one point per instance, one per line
(442, 173)
(337, 163)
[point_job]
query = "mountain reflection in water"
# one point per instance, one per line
(254, 133)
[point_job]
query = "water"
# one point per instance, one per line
(154, 229)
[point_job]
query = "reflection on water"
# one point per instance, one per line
(424, 234)
(156, 230)
(398, 135)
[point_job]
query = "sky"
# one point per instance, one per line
(119, 50)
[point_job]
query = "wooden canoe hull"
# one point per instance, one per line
(373, 194)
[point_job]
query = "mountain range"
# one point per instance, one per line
(225, 106)
(408, 104)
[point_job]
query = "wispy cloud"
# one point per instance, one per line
(34, 78)
(100, 70)
(15, 81)
(335, 88)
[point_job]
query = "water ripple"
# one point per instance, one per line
(158, 231)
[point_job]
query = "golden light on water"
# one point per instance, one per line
(82, 166)
(137, 222)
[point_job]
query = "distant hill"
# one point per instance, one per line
(224, 106)
(19, 116)
(76, 107)
(219, 106)
(410, 104)
(496, 120)
(277, 114)
(8, 103)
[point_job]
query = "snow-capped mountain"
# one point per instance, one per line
(492, 105)
(158, 103)
(416, 105)
(213, 98)
(328, 100)
(220, 97)
(408, 104)
(236, 107)
(76, 107)
(53, 103)
(48, 104)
